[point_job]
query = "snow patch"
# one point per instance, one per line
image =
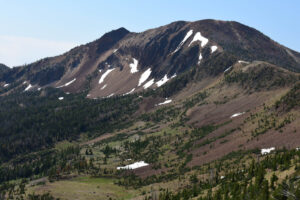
(67, 84)
(173, 76)
(165, 102)
(60, 98)
(105, 75)
(222, 177)
(144, 76)
(134, 165)
(39, 89)
(226, 70)
(267, 151)
(6, 85)
(200, 58)
(100, 70)
(237, 114)
(243, 62)
(103, 87)
(162, 81)
(133, 66)
(213, 48)
(199, 37)
(110, 95)
(28, 87)
(183, 41)
(131, 91)
(115, 50)
(149, 83)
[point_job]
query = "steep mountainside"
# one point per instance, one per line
(3, 68)
(121, 62)
(193, 110)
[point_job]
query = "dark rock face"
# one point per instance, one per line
(109, 39)
(3, 67)
(47, 75)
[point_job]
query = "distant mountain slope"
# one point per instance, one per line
(3, 68)
(121, 62)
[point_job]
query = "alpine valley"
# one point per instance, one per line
(206, 110)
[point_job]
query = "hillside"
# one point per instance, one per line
(121, 62)
(190, 110)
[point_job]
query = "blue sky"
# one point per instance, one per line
(33, 29)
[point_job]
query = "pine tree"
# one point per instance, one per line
(274, 178)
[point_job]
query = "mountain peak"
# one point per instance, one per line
(160, 53)
(3, 67)
(117, 33)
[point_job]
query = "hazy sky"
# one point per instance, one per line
(33, 29)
